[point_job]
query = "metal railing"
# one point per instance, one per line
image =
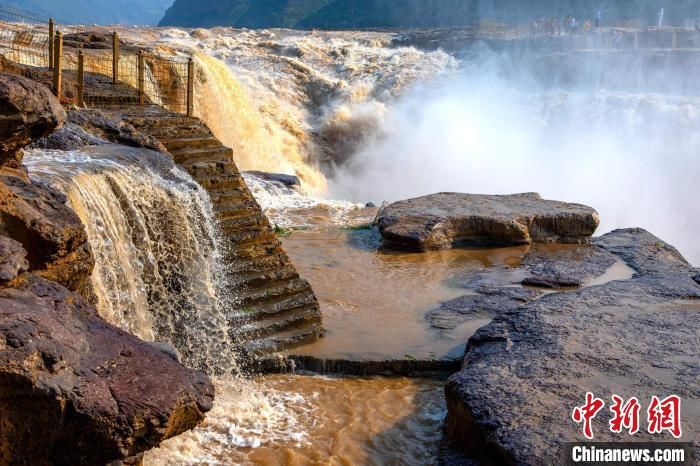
(90, 65)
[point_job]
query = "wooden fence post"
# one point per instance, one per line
(51, 39)
(190, 86)
(81, 78)
(142, 72)
(57, 64)
(115, 58)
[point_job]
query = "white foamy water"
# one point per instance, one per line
(360, 120)
(291, 208)
(158, 270)
(293, 101)
(304, 420)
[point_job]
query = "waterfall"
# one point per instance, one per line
(158, 271)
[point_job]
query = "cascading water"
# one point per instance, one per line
(359, 118)
(298, 102)
(157, 256)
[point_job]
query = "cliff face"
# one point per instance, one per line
(357, 14)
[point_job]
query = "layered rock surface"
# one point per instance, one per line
(76, 390)
(55, 241)
(443, 220)
(525, 372)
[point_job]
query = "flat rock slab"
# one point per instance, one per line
(487, 303)
(77, 390)
(571, 267)
(444, 220)
(525, 371)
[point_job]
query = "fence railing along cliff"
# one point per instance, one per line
(90, 65)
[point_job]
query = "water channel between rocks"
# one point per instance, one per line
(374, 304)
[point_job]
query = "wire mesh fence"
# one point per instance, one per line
(95, 67)
(24, 38)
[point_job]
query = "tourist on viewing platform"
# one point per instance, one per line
(587, 26)
(598, 18)
(697, 25)
(661, 18)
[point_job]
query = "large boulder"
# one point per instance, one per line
(53, 236)
(524, 372)
(28, 111)
(77, 390)
(443, 220)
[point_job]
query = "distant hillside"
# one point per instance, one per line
(131, 12)
(352, 14)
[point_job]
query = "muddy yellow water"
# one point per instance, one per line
(314, 420)
(374, 301)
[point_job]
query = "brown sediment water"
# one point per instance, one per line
(374, 301)
(314, 420)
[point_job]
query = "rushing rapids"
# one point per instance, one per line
(356, 118)
(379, 116)
(158, 270)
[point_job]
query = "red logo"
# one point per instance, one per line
(587, 412)
(665, 415)
(625, 415)
(662, 415)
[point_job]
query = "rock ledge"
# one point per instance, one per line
(443, 220)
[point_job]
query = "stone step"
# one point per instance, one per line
(279, 304)
(271, 291)
(254, 279)
(282, 341)
(232, 209)
(248, 220)
(264, 264)
(206, 169)
(196, 142)
(277, 308)
(303, 316)
(222, 183)
(203, 154)
(104, 99)
(222, 196)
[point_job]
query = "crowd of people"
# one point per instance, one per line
(573, 25)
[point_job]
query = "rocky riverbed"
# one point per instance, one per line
(564, 314)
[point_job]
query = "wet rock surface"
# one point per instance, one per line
(28, 111)
(443, 220)
(53, 236)
(69, 137)
(525, 371)
(108, 126)
(567, 268)
(76, 390)
(486, 303)
(288, 181)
